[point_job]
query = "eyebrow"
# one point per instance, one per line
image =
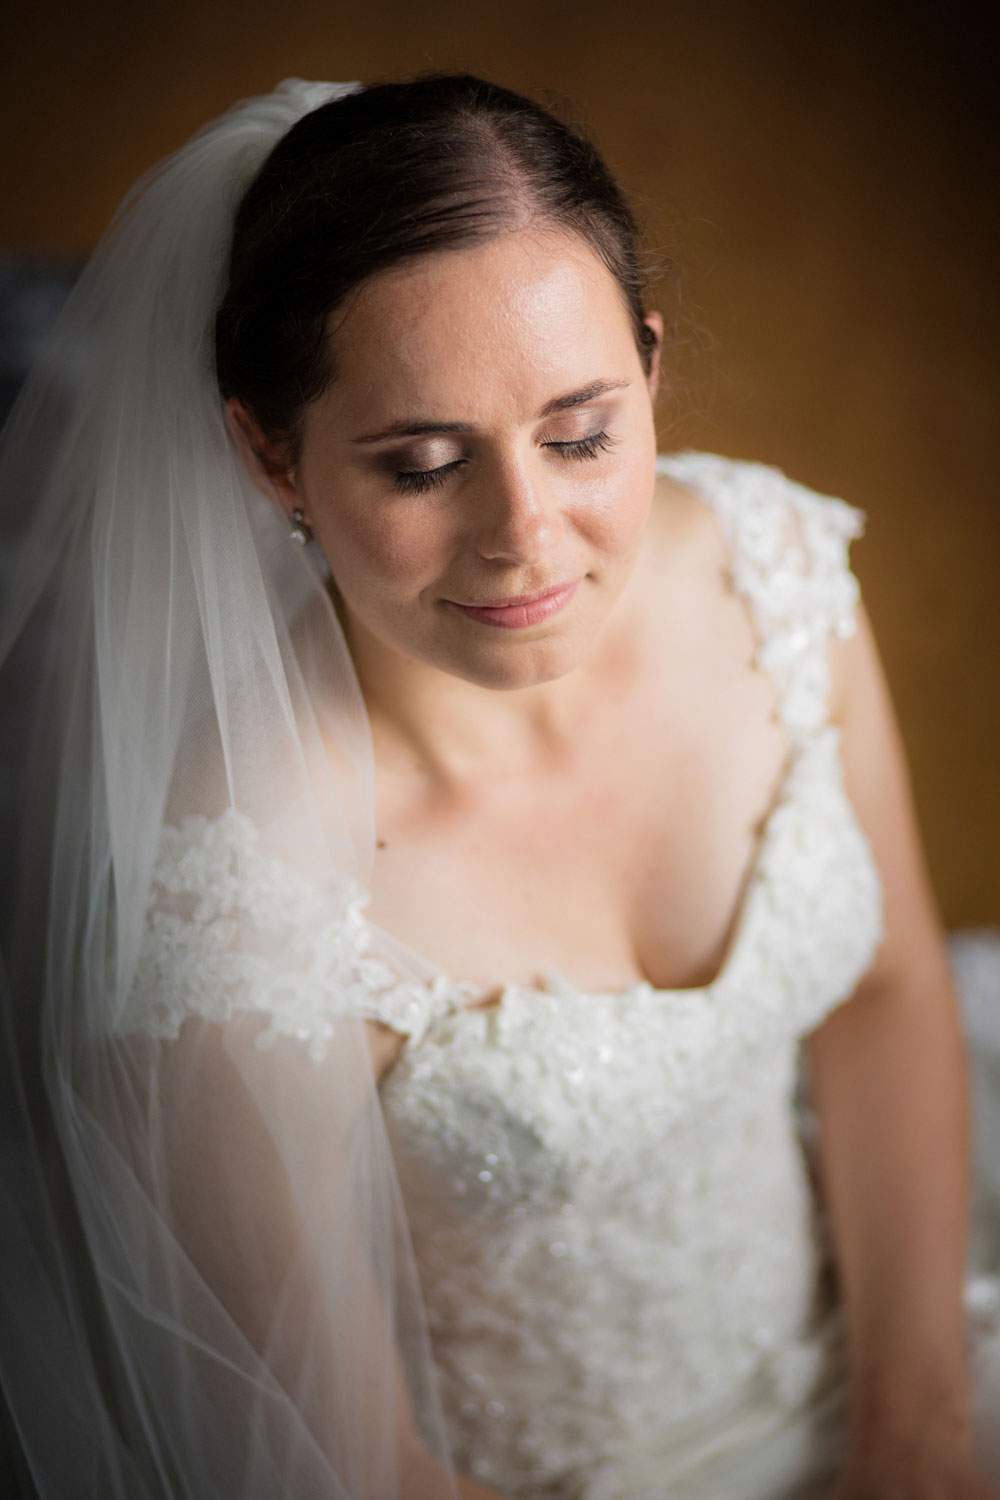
(572, 399)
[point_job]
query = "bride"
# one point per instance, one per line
(476, 1022)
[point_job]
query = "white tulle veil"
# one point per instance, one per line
(205, 1283)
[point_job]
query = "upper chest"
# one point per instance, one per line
(561, 1060)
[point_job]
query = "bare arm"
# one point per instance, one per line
(889, 1081)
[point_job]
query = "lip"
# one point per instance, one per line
(521, 611)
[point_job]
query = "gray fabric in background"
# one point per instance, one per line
(32, 292)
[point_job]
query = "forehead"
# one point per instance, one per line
(495, 324)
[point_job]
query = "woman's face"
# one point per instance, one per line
(479, 472)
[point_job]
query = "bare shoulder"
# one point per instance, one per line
(384, 1047)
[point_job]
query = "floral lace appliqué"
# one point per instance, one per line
(224, 911)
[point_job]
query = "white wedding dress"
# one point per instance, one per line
(622, 1250)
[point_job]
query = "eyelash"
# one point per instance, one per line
(419, 481)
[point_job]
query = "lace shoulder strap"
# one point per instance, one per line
(789, 559)
(231, 928)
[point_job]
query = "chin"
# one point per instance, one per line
(517, 665)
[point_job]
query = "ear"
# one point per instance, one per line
(654, 320)
(261, 459)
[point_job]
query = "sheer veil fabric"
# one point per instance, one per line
(205, 1279)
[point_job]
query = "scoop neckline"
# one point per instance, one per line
(439, 979)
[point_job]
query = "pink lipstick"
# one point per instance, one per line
(520, 612)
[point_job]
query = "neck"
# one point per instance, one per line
(459, 731)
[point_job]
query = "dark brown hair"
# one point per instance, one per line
(379, 176)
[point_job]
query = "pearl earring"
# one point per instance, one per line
(301, 531)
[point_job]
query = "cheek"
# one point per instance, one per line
(620, 508)
(383, 550)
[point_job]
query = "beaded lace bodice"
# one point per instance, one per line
(609, 1195)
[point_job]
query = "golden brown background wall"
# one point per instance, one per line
(828, 173)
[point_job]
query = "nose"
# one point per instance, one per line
(515, 516)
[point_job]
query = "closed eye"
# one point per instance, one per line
(419, 481)
(588, 447)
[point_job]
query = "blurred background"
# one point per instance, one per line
(824, 174)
